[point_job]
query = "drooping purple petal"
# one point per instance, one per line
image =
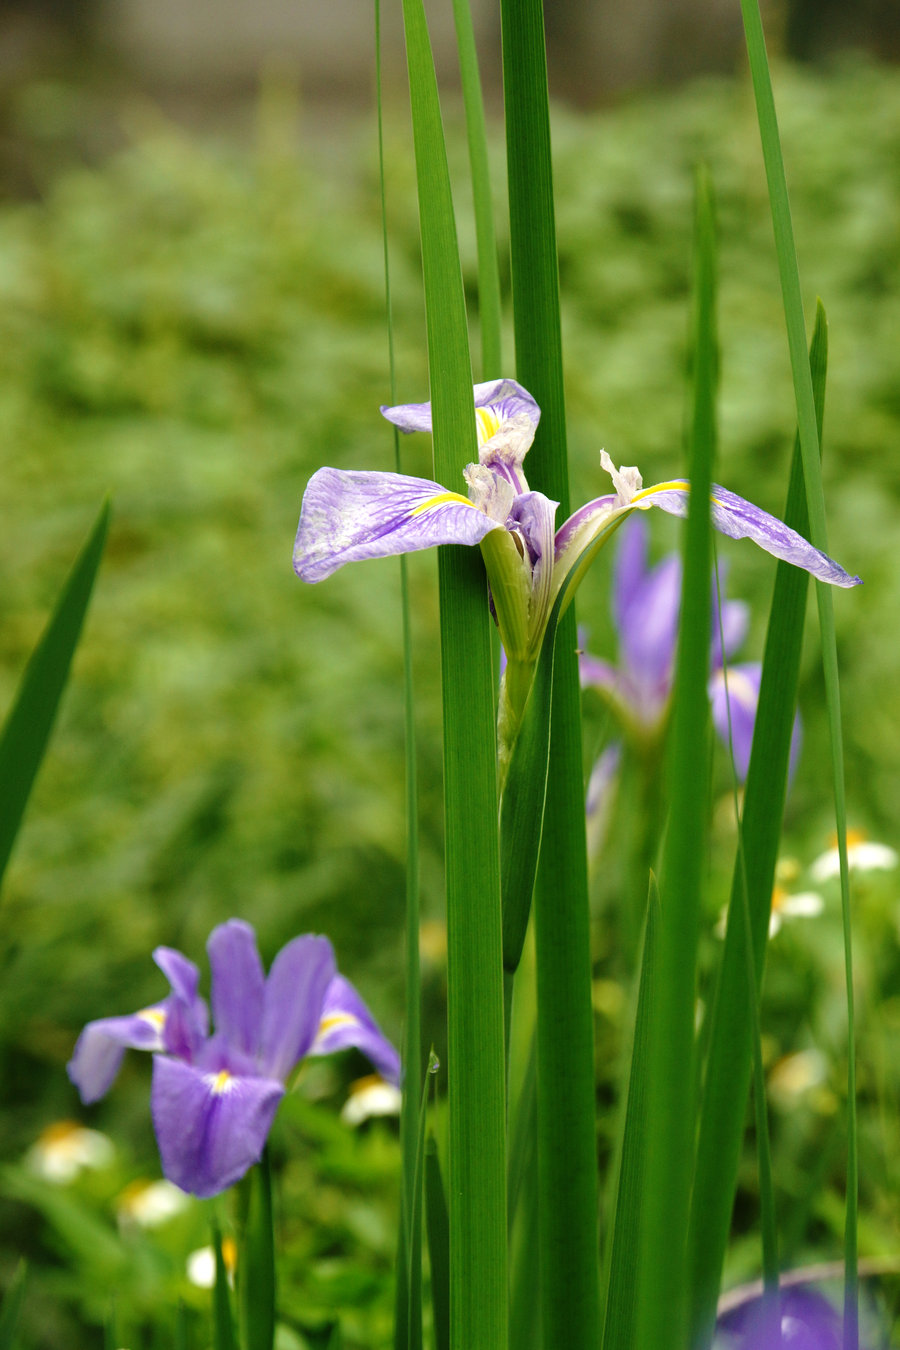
(101, 1046)
(238, 985)
(211, 1127)
(740, 519)
(348, 515)
(295, 995)
(346, 1021)
(739, 701)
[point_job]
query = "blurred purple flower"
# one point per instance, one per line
(646, 602)
(214, 1097)
(803, 1320)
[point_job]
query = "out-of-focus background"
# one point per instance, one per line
(192, 320)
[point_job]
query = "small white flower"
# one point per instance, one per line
(793, 905)
(371, 1096)
(863, 855)
(151, 1203)
(65, 1148)
(201, 1264)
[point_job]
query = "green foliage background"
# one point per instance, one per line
(194, 327)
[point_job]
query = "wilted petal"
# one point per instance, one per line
(295, 996)
(740, 519)
(102, 1044)
(211, 1127)
(346, 1021)
(348, 515)
(238, 985)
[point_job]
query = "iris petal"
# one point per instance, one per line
(295, 994)
(740, 519)
(210, 1127)
(102, 1044)
(238, 985)
(348, 515)
(346, 1021)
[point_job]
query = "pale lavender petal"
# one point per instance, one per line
(238, 985)
(648, 625)
(506, 397)
(740, 519)
(727, 637)
(102, 1044)
(740, 700)
(582, 520)
(736, 705)
(601, 793)
(595, 673)
(182, 974)
(295, 995)
(630, 567)
(348, 515)
(211, 1127)
(346, 1021)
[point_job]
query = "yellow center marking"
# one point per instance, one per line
(487, 424)
(439, 501)
(155, 1016)
(337, 1020)
(222, 1079)
(778, 898)
(854, 839)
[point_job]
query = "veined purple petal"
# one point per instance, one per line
(583, 520)
(345, 1022)
(295, 995)
(740, 519)
(211, 1127)
(348, 515)
(102, 1044)
(238, 985)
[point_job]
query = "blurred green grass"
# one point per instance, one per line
(196, 327)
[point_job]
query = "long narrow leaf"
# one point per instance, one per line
(667, 1164)
(23, 740)
(567, 1166)
(256, 1266)
(438, 1230)
(488, 269)
(408, 1306)
(623, 1252)
(728, 1060)
(789, 274)
(476, 1060)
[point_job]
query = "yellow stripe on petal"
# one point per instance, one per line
(674, 485)
(441, 500)
(337, 1020)
(487, 424)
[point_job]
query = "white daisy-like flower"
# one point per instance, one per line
(863, 855)
(65, 1149)
(151, 1203)
(201, 1264)
(786, 904)
(371, 1096)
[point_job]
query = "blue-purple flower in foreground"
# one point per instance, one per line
(349, 515)
(214, 1097)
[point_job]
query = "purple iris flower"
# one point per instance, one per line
(214, 1097)
(349, 515)
(646, 602)
(803, 1320)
